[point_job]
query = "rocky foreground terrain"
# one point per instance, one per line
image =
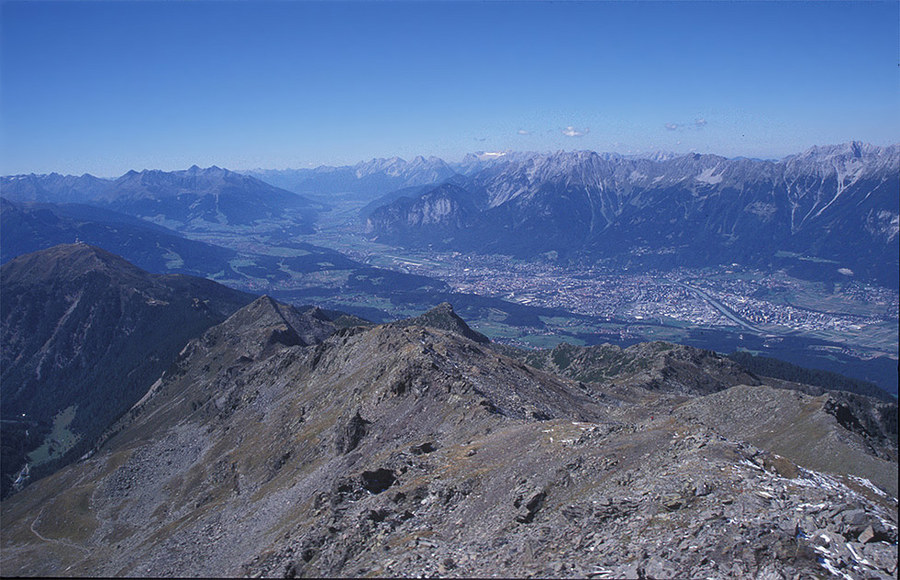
(280, 445)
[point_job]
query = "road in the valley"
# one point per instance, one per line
(727, 312)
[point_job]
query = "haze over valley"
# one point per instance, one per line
(818, 289)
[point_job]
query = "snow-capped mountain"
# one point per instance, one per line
(834, 205)
(368, 179)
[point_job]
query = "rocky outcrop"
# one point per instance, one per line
(656, 366)
(442, 316)
(412, 450)
(801, 427)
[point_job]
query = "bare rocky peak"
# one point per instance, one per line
(711, 209)
(442, 316)
(418, 171)
(183, 187)
(591, 168)
(193, 181)
(266, 325)
(852, 149)
(408, 450)
(53, 187)
(847, 162)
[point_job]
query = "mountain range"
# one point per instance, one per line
(191, 200)
(369, 179)
(275, 441)
(828, 212)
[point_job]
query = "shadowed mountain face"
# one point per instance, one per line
(816, 212)
(29, 227)
(268, 448)
(84, 334)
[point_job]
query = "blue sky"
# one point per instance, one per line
(104, 87)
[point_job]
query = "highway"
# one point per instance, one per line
(727, 312)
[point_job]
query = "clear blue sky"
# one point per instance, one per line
(103, 87)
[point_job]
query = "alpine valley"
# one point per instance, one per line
(563, 364)
(837, 204)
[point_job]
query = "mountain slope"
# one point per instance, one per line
(437, 214)
(651, 365)
(193, 199)
(365, 180)
(829, 212)
(29, 227)
(202, 198)
(805, 429)
(834, 431)
(84, 334)
(409, 450)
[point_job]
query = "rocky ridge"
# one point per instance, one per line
(834, 431)
(408, 451)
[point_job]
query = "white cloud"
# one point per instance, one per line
(571, 131)
(523, 132)
(698, 124)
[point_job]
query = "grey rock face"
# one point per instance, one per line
(836, 203)
(412, 451)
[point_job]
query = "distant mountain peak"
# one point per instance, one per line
(850, 149)
(654, 211)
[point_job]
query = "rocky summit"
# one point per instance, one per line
(278, 444)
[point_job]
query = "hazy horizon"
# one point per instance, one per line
(107, 87)
(446, 160)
